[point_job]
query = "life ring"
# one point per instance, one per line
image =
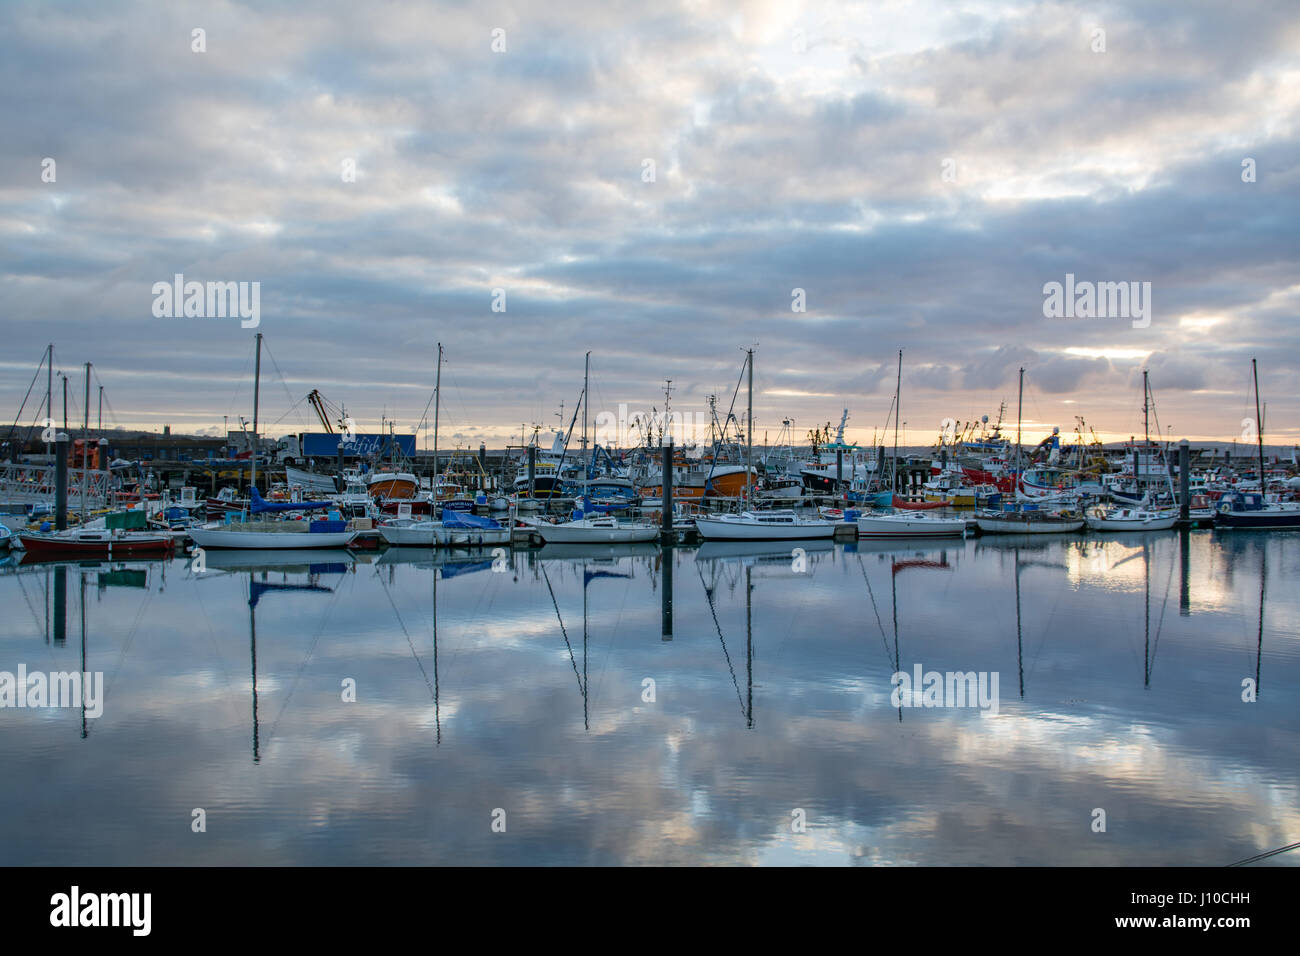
(1224, 508)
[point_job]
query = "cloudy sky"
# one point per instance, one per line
(652, 182)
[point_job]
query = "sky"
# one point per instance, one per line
(662, 185)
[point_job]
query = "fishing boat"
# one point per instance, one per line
(6, 538)
(952, 488)
(226, 501)
(762, 526)
(391, 485)
(781, 487)
(1130, 518)
(909, 525)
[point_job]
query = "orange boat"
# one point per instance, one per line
(692, 484)
(393, 485)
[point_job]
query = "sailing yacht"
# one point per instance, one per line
(276, 534)
(782, 525)
(1132, 518)
(1253, 510)
(457, 528)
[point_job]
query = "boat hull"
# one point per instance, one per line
(910, 526)
(1258, 520)
(717, 529)
(104, 545)
(559, 534)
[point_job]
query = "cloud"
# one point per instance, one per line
(774, 170)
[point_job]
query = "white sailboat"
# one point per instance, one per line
(456, 529)
(596, 529)
(910, 524)
(271, 534)
(781, 525)
(1131, 518)
(453, 527)
(1028, 522)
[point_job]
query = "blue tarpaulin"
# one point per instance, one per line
(465, 519)
(258, 504)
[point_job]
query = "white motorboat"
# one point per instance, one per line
(911, 524)
(782, 525)
(1131, 519)
(600, 529)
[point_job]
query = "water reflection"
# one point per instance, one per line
(772, 673)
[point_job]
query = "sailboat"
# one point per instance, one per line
(1251, 510)
(1027, 517)
(264, 533)
(782, 525)
(1132, 518)
(593, 527)
(454, 527)
(104, 541)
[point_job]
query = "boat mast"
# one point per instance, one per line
(749, 429)
(1259, 428)
(586, 411)
(1146, 409)
(898, 387)
(86, 441)
(1020, 413)
(49, 396)
(437, 401)
(257, 384)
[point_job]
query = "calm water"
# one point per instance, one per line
(1119, 666)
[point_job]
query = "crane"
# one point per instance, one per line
(324, 409)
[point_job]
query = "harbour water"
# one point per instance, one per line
(720, 704)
